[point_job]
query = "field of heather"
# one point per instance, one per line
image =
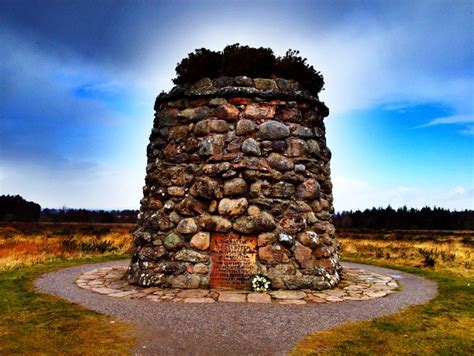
(445, 251)
(26, 244)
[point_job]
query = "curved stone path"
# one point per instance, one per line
(231, 328)
(355, 284)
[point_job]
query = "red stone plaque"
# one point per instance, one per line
(233, 260)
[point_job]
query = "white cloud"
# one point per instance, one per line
(450, 120)
(86, 185)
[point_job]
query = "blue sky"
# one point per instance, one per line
(78, 81)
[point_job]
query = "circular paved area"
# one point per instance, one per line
(356, 284)
(231, 328)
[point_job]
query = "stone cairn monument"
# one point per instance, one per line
(237, 184)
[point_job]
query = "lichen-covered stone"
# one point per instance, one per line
(217, 101)
(211, 145)
(151, 253)
(236, 186)
(273, 254)
(253, 210)
(293, 224)
(205, 187)
(191, 256)
(161, 221)
(309, 238)
(201, 128)
(245, 127)
(251, 147)
(176, 191)
(187, 226)
(173, 241)
(280, 162)
(313, 147)
(200, 268)
(323, 252)
(227, 112)
(265, 222)
(303, 256)
(282, 190)
(243, 81)
(265, 84)
(289, 115)
(214, 223)
(273, 130)
(296, 147)
(232, 207)
(266, 238)
(245, 224)
(179, 133)
(216, 168)
(259, 111)
(194, 114)
(189, 206)
(301, 131)
(218, 126)
(308, 190)
(260, 188)
(201, 241)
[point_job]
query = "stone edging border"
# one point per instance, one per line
(356, 284)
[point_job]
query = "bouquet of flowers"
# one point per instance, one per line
(261, 283)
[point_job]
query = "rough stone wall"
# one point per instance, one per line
(243, 156)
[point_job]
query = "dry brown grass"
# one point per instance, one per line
(443, 252)
(24, 245)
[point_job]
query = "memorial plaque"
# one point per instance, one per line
(233, 260)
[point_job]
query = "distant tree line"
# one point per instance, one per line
(404, 218)
(90, 216)
(15, 208)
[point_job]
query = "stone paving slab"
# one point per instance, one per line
(356, 284)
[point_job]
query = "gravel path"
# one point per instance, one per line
(231, 328)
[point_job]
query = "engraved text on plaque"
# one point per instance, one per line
(233, 260)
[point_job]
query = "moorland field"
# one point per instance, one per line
(31, 322)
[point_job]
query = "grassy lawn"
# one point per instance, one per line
(34, 323)
(443, 326)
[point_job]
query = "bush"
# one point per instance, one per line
(69, 243)
(245, 60)
(97, 246)
(292, 66)
(428, 257)
(202, 63)
(237, 60)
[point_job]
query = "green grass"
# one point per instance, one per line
(38, 324)
(442, 326)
